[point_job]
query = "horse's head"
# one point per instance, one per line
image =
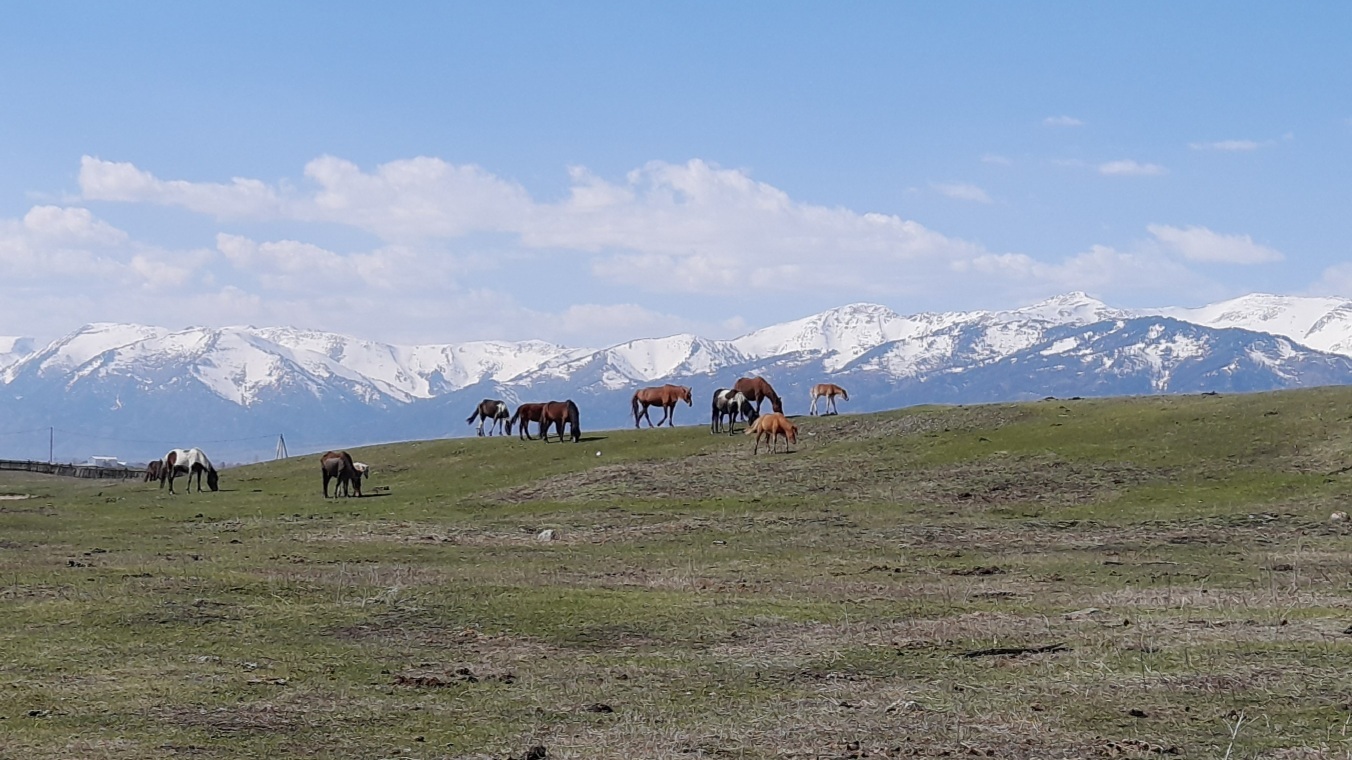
(685, 396)
(213, 480)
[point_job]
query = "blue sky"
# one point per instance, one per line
(589, 173)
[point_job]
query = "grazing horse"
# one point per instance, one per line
(152, 471)
(556, 413)
(493, 412)
(756, 389)
(772, 427)
(526, 413)
(730, 404)
(187, 462)
(830, 391)
(338, 464)
(665, 396)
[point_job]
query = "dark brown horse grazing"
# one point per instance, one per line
(830, 391)
(338, 464)
(772, 427)
(665, 396)
(756, 390)
(556, 413)
(152, 470)
(495, 413)
(524, 414)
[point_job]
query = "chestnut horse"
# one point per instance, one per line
(756, 390)
(665, 396)
(338, 464)
(730, 404)
(830, 391)
(495, 413)
(772, 427)
(525, 413)
(556, 413)
(187, 462)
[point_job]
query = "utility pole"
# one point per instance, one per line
(51, 444)
(281, 446)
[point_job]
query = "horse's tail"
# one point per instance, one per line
(573, 418)
(633, 404)
(753, 427)
(470, 421)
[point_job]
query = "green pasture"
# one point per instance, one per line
(1143, 577)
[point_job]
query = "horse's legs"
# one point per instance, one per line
(813, 409)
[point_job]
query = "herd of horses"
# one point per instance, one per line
(742, 401)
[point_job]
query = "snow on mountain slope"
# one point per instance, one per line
(848, 331)
(423, 371)
(639, 361)
(1323, 323)
(14, 348)
(77, 348)
(973, 338)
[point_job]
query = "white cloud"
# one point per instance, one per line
(1231, 146)
(457, 239)
(73, 248)
(1062, 121)
(1129, 168)
(1334, 281)
(962, 192)
(109, 181)
(1203, 245)
(995, 158)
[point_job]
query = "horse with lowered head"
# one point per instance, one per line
(188, 462)
(556, 413)
(339, 465)
(152, 470)
(526, 414)
(730, 404)
(830, 391)
(665, 396)
(772, 427)
(757, 389)
(495, 413)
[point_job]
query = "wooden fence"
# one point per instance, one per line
(72, 470)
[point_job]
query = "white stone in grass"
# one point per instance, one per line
(1338, 516)
(548, 534)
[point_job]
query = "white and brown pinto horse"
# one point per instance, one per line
(830, 391)
(188, 462)
(730, 404)
(495, 413)
(665, 396)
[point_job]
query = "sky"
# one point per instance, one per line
(590, 173)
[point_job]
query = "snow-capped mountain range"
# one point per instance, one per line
(136, 390)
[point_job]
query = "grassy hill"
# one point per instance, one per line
(882, 591)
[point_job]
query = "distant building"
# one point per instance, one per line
(111, 462)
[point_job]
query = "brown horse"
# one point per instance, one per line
(772, 427)
(495, 413)
(665, 396)
(338, 464)
(525, 413)
(152, 470)
(756, 390)
(556, 413)
(830, 391)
